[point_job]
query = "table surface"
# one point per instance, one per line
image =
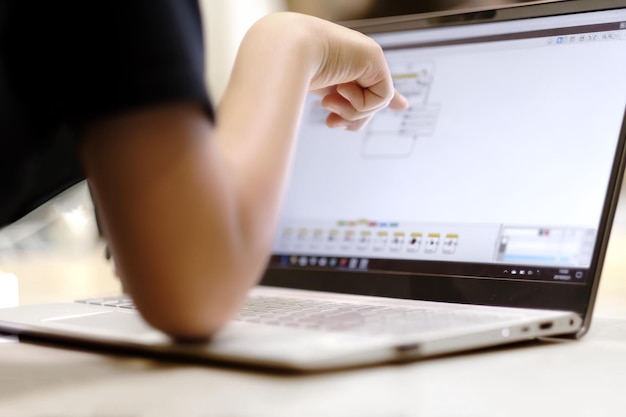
(582, 378)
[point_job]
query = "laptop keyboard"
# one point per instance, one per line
(367, 319)
(334, 316)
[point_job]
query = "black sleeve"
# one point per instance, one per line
(65, 63)
(117, 55)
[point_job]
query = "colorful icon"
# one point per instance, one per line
(432, 243)
(414, 242)
(450, 243)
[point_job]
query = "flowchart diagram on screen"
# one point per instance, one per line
(393, 134)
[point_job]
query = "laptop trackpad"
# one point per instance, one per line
(110, 323)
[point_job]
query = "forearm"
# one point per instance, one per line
(190, 209)
(258, 119)
(281, 59)
(167, 206)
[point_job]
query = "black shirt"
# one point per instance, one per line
(64, 63)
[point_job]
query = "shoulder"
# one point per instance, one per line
(67, 63)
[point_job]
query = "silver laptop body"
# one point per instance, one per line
(478, 217)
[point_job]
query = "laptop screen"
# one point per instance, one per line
(498, 171)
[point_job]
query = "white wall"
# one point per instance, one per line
(226, 22)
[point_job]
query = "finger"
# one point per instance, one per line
(362, 99)
(336, 103)
(399, 101)
(337, 122)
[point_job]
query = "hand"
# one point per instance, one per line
(353, 79)
(351, 105)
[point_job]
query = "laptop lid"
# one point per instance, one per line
(499, 184)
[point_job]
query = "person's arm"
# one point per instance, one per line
(189, 208)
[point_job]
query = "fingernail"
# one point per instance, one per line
(331, 108)
(340, 125)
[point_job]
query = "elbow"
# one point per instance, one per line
(199, 302)
(188, 320)
(186, 325)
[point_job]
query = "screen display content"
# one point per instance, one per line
(497, 170)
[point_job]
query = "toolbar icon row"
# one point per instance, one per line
(324, 261)
(368, 240)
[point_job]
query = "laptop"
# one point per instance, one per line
(477, 218)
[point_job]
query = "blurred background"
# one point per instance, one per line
(365, 9)
(228, 20)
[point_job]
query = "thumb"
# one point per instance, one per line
(398, 101)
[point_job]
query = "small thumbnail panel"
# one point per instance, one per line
(368, 241)
(366, 238)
